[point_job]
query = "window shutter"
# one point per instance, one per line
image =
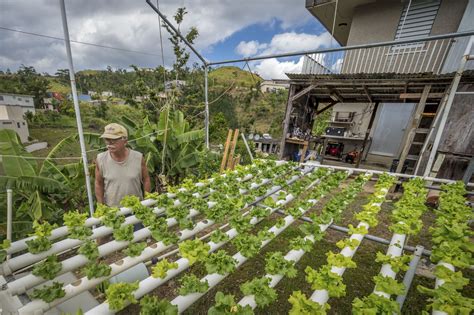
(419, 20)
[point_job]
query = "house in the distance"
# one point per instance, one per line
(273, 85)
(13, 107)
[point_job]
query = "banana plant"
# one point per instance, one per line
(41, 188)
(171, 149)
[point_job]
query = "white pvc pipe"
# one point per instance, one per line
(24, 283)
(28, 258)
(63, 231)
(185, 301)
(395, 249)
(362, 170)
(439, 282)
(9, 214)
(322, 296)
(150, 283)
(120, 266)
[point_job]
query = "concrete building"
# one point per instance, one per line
(13, 107)
(382, 86)
(273, 85)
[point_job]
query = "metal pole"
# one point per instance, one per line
(9, 215)
(410, 274)
(206, 102)
(247, 146)
(76, 106)
(447, 108)
(362, 170)
(345, 48)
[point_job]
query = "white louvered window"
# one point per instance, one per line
(419, 20)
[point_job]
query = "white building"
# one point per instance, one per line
(26, 102)
(273, 85)
(12, 110)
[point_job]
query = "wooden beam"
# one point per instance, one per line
(286, 121)
(232, 149)
(303, 92)
(367, 133)
(366, 90)
(327, 107)
(420, 95)
(414, 124)
(226, 149)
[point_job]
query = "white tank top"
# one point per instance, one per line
(120, 178)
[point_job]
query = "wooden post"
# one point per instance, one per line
(303, 152)
(286, 121)
(232, 148)
(226, 149)
(367, 133)
(414, 125)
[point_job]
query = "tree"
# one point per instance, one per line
(179, 49)
(33, 83)
(63, 75)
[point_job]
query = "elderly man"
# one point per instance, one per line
(119, 171)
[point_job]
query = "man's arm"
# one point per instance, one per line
(145, 177)
(99, 185)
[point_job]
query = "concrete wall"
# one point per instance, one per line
(378, 22)
(375, 22)
(12, 118)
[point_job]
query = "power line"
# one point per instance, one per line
(77, 42)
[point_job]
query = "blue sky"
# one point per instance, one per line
(261, 32)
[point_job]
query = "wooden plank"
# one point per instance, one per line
(286, 121)
(413, 127)
(303, 92)
(327, 107)
(303, 153)
(367, 133)
(420, 95)
(226, 149)
(232, 149)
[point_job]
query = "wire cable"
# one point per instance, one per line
(77, 42)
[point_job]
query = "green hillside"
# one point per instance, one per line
(228, 75)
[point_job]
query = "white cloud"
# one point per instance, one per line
(275, 69)
(250, 48)
(283, 43)
(130, 25)
(291, 42)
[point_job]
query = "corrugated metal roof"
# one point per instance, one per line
(378, 76)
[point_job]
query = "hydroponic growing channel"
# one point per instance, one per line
(216, 224)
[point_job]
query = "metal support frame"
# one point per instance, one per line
(77, 110)
(361, 170)
(370, 237)
(292, 54)
(367, 133)
(410, 274)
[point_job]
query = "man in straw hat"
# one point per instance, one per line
(119, 171)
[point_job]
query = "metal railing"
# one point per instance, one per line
(417, 57)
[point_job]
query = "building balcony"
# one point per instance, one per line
(435, 56)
